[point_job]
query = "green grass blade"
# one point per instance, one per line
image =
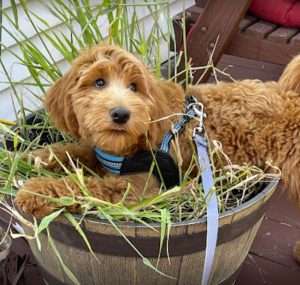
(15, 12)
(45, 222)
(77, 227)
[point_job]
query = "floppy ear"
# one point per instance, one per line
(168, 99)
(174, 95)
(59, 104)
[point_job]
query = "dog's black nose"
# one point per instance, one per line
(120, 115)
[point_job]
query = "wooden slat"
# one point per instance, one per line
(194, 12)
(145, 275)
(275, 242)
(285, 215)
(257, 40)
(232, 254)
(282, 35)
(235, 66)
(175, 44)
(177, 25)
(75, 259)
(237, 251)
(246, 22)
(191, 15)
(260, 29)
(244, 45)
(296, 39)
(46, 258)
(260, 271)
(191, 263)
(219, 21)
(124, 267)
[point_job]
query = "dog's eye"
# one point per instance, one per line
(132, 87)
(100, 83)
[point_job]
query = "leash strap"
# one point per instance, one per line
(212, 205)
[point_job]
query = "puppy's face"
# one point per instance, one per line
(105, 99)
(112, 104)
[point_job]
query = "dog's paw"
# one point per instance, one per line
(33, 198)
(30, 204)
(112, 189)
(118, 190)
(44, 158)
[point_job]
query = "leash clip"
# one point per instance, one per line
(198, 109)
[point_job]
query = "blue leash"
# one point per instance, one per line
(212, 206)
(211, 197)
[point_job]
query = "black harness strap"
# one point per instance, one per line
(164, 167)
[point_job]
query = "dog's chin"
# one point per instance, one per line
(117, 140)
(118, 129)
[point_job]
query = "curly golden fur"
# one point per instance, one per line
(254, 121)
(258, 122)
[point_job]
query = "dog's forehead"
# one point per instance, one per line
(121, 62)
(111, 62)
(119, 57)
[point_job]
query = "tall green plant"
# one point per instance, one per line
(82, 24)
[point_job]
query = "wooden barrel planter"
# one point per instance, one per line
(120, 265)
(5, 244)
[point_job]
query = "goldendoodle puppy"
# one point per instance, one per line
(110, 101)
(107, 100)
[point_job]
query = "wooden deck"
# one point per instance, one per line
(270, 260)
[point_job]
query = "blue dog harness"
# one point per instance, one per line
(164, 167)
